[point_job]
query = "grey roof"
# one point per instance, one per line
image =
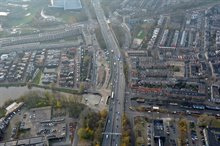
(36, 140)
(40, 144)
(213, 136)
(72, 4)
(23, 141)
(67, 4)
(11, 143)
(158, 128)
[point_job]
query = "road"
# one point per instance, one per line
(112, 134)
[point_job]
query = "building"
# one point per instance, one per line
(33, 141)
(217, 39)
(66, 4)
(13, 107)
(4, 57)
(159, 136)
(215, 93)
(212, 136)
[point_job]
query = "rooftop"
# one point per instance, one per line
(158, 128)
(30, 141)
(66, 4)
(213, 136)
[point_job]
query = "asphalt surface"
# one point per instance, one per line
(112, 134)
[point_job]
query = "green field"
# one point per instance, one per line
(28, 14)
(141, 35)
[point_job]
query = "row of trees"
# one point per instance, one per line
(126, 132)
(92, 127)
(56, 100)
(140, 131)
(183, 128)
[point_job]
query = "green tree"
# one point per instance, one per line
(81, 88)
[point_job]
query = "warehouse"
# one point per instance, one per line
(67, 4)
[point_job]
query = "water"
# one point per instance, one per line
(15, 92)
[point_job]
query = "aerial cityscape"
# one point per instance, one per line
(109, 73)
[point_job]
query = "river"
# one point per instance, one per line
(15, 92)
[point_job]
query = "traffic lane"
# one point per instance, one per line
(112, 44)
(107, 137)
(115, 117)
(117, 127)
(110, 124)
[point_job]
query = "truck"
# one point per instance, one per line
(112, 96)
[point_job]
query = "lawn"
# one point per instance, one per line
(37, 78)
(141, 34)
(215, 123)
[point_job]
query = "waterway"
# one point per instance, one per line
(15, 92)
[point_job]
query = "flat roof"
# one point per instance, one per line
(158, 128)
(72, 4)
(11, 106)
(36, 140)
(11, 143)
(40, 144)
(67, 4)
(213, 136)
(23, 141)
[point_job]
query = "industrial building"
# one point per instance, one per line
(215, 93)
(218, 39)
(164, 37)
(159, 136)
(66, 4)
(212, 136)
(183, 39)
(33, 141)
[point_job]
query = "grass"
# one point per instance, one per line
(12, 84)
(34, 9)
(100, 38)
(37, 78)
(140, 131)
(215, 123)
(18, 18)
(2, 112)
(119, 34)
(141, 35)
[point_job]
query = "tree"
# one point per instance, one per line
(82, 133)
(103, 113)
(182, 124)
(205, 120)
(58, 104)
(86, 133)
(81, 88)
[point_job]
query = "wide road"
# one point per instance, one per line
(112, 134)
